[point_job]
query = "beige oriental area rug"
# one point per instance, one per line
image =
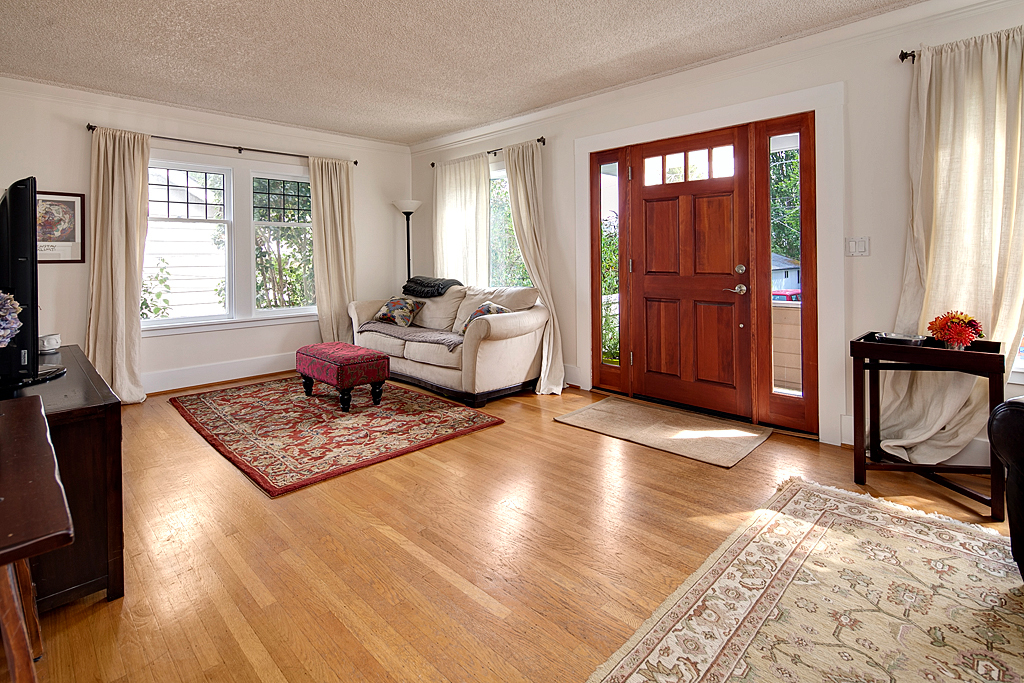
(828, 586)
(700, 437)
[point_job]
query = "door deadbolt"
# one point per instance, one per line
(741, 269)
(738, 289)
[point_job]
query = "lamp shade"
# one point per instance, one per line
(407, 205)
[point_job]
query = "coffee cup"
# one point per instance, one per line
(49, 343)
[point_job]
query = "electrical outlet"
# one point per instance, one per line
(858, 246)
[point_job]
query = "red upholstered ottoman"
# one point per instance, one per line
(343, 366)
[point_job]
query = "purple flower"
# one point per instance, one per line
(9, 323)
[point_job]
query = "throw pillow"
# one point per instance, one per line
(486, 308)
(398, 311)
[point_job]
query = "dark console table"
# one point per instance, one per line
(84, 417)
(981, 358)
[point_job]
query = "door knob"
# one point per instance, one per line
(738, 289)
(741, 269)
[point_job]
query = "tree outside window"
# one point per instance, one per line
(507, 268)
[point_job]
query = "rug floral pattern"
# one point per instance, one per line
(833, 587)
(284, 440)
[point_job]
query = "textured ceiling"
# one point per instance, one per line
(398, 71)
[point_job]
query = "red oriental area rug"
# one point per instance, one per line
(283, 440)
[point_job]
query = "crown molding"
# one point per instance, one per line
(226, 126)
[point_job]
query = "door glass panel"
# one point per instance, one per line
(675, 168)
(698, 169)
(652, 171)
(784, 198)
(610, 262)
(722, 162)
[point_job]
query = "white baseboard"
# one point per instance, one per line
(572, 376)
(167, 380)
(846, 429)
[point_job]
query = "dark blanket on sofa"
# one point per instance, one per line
(428, 287)
(415, 334)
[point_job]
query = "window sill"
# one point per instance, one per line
(172, 328)
(1017, 375)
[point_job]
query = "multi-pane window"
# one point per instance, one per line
(185, 266)
(507, 268)
(281, 212)
(698, 164)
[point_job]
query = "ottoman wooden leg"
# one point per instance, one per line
(346, 399)
(307, 385)
(377, 392)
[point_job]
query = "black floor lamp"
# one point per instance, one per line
(407, 206)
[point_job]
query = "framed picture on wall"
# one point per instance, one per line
(60, 227)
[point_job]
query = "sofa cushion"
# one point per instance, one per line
(513, 298)
(486, 308)
(379, 342)
(434, 354)
(439, 312)
(398, 311)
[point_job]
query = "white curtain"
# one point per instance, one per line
(119, 195)
(525, 183)
(462, 197)
(330, 183)
(965, 245)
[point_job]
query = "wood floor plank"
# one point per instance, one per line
(527, 552)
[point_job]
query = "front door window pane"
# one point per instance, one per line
(698, 169)
(784, 203)
(675, 167)
(610, 263)
(652, 171)
(722, 162)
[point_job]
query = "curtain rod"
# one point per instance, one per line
(92, 127)
(912, 56)
(541, 140)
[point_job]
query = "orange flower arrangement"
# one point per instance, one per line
(956, 329)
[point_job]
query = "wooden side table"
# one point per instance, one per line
(34, 519)
(981, 358)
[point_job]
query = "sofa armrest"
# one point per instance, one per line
(361, 311)
(507, 325)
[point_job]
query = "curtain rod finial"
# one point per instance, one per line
(912, 56)
(90, 127)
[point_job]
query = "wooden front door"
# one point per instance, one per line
(690, 261)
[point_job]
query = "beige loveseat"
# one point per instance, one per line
(499, 354)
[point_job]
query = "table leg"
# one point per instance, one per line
(12, 625)
(28, 607)
(874, 411)
(859, 470)
(995, 397)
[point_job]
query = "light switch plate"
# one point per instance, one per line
(858, 246)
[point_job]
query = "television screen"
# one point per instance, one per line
(19, 360)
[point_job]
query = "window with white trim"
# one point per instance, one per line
(284, 243)
(229, 241)
(185, 269)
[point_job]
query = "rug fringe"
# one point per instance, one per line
(797, 479)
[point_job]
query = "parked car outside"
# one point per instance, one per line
(786, 295)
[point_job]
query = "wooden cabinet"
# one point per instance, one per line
(84, 417)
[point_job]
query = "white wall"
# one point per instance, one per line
(873, 183)
(42, 133)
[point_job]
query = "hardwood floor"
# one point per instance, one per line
(525, 552)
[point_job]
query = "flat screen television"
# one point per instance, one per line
(19, 360)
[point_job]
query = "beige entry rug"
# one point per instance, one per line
(708, 439)
(828, 586)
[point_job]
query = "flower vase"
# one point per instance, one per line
(955, 347)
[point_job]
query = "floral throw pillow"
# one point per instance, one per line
(399, 311)
(486, 308)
